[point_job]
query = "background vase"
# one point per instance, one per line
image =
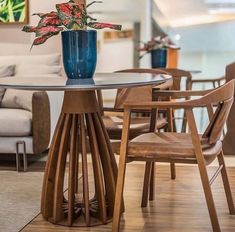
(159, 58)
(79, 53)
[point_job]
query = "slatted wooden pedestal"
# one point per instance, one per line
(79, 120)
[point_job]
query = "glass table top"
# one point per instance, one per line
(99, 81)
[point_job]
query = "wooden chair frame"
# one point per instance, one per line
(208, 99)
(216, 82)
(121, 97)
(177, 75)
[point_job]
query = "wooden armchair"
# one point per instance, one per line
(178, 76)
(180, 147)
(140, 124)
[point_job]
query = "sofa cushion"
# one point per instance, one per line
(5, 71)
(52, 59)
(32, 70)
(15, 122)
(17, 99)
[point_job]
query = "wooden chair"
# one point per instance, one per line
(178, 76)
(140, 124)
(180, 147)
(113, 117)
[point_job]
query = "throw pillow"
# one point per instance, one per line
(17, 99)
(32, 70)
(5, 71)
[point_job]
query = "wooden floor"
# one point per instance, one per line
(179, 205)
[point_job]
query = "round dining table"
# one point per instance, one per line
(80, 131)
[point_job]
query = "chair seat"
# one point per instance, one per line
(170, 146)
(139, 125)
(15, 122)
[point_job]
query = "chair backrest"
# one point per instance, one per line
(230, 72)
(140, 94)
(228, 144)
(222, 97)
(178, 75)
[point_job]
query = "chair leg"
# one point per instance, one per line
(173, 172)
(146, 185)
(209, 198)
(119, 194)
(152, 183)
(226, 184)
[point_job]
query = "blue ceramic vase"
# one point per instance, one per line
(159, 58)
(79, 53)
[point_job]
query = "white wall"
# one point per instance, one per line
(208, 48)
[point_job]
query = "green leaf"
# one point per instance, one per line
(10, 12)
(22, 16)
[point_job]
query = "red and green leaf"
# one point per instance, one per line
(97, 25)
(41, 40)
(43, 34)
(29, 29)
(49, 19)
(43, 31)
(72, 13)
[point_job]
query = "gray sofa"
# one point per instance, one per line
(25, 131)
(26, 116)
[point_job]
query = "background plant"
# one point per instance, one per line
(12, 11)
(68, 16)
(156, 43)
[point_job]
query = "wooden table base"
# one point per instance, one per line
(80, 119)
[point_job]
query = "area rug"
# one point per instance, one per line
(20, 195)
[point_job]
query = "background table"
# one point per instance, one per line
(80, 119)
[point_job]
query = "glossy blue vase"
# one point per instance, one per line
(79, 53)
(159, 58)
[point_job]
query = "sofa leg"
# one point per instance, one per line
(17, 161)
(25, 161)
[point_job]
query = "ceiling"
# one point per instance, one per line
(180, 13)
(174, 13)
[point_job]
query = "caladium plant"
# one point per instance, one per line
(156, 43)
(71, 15)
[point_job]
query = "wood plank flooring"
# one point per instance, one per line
(179, 205)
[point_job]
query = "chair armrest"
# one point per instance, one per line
(209, 80)
(40, 121)
(165, 104)
(180, 94)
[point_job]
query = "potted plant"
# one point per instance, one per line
(158, 49)
(78, 43)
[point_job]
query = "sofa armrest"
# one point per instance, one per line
(40, 121)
